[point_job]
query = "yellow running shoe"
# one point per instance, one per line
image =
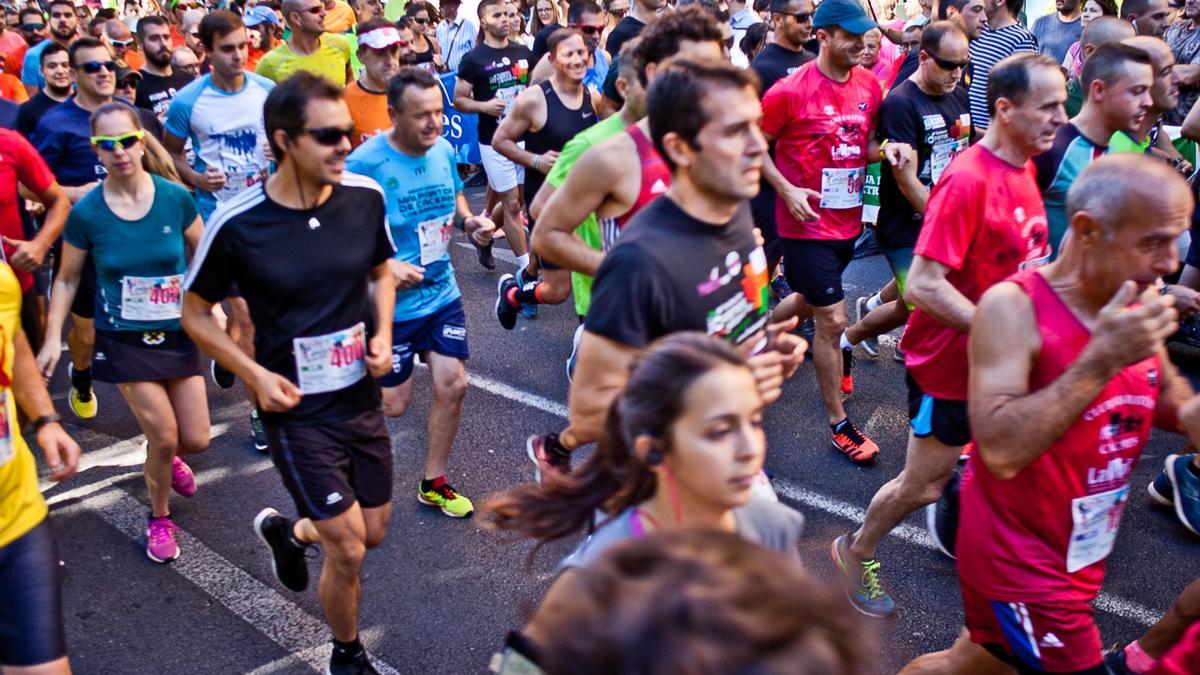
(82, 403)
(439, 493)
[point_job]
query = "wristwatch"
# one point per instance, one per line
(52, 418)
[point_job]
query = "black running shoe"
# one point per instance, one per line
(547, 455)
(221, 377)
(360, 666)
(505, 311)
(485, 255)
(941, 517)
(259, 433)
(287, 559)
(847, 373)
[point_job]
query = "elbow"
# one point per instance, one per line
(996, 459)
(1191, 129)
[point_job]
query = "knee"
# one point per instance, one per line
(395, 408)
(924, 493)
(346, 555)
(165, 450)
(451, 390)
(554, 293)
(376, 535)
(832, 325)
(190, 445)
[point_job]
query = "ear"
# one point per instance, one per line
(281, 138)
(643, 445)
(1086, 228)
(678, 149)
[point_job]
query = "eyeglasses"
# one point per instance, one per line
(945, 64)
(328, 135)
(126, 141)
(194, 33)
(120, 43)
(420, 21)
(802, 17)
(93, 67)
(317, 9)
(33, 27)
(587, 29)
(190, 67)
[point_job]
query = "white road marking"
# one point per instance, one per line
(370, 638)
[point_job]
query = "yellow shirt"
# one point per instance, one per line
(21, 503)
(329, 61)
(339, 19)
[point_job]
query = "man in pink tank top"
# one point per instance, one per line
(1068, 372)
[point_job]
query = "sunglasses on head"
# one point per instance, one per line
(945, 64)
(33, 27)
(587, 29)
(110, 143)
(93, 67)
(327, 135)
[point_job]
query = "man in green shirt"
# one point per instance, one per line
(309, 47)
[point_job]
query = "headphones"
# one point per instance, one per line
(654, 457)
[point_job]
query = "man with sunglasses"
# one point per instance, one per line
(587, 18)
(971, 17)
(309, 48)
(33, 29)
(11, 40)
(785, 53)
(191, 37)
(64, 24)
(161, 83)
(124, 49)
(1004, 37)
(57, 71)
(379, 50)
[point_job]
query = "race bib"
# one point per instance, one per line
(236, 183)
(842, 188)
(1095, 519)
(151, 298)
(435, 238)
(509, 96)
(331, 362)
(942, 154)
(6, 438)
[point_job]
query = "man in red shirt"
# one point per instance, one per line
(1069, 371)
(984, 221)
(822, 118)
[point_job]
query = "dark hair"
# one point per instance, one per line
(1014, 8)
(945, 5)
(217, 24)
(408, 76)
(661, 39)
(755, 38)
(152, 20)
(84, 43)
(50, 50)
(560, 36)
(96, 21)
(106, 13)
(155, 158)
(286, 104)
(31, 10)
(414, 8)
(931, 38)
(698, 601)
(579, 8)
(613, 478)
(761, 6)
(63, 3)
(675, 100)
(1108, 62)
(484, 4)
(1107, 7)
(1134, 8)
(1011, 78)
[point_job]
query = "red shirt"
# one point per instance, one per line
(984, 221)
(821, 129)
(19, 162)
(1044, 535)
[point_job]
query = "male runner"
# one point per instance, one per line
(1102, 30)
(321, 341)
(642, 13)
(984, 221)
(379, 49)
(309, 48)
(1003, 37)
(417, 168)
(1164, 96)
(160, 82)
(1068, 373)
(64, 26)
(56, 71)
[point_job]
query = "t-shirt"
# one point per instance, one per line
(1074, 102)
(19, 162)
(990, 48)
(540, 39)
(339, 19)
(21, 505)
(226, 130)
(156, 92)
(984, 221)
(774, 63)
(64, 139)
(821, 129)
(8, 114)
(1122, 141)
(420, 194)
(139, 263)
(939, 128)
(769, 524)
(642, 292)
(12, 89)
(304, 275)
(1057, 169)
(625, 30)
(496, 73)
(31, 68)
(14, 61)
(329, 61)
(369, 111)
(32, 110)
(1056, 36)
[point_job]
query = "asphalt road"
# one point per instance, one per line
(440, 594)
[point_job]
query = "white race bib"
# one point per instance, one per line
(942, 154)
(236, 183)
(151, 298)
(331, 362)
(1096, 518)
(842, 188)
(6, 437)
(435, 238)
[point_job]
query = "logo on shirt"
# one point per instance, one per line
(736, 317)
(1113, 474)
(1051, 640)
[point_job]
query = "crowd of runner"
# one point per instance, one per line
(173, 177)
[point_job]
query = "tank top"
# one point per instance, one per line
(1044, 535)
(656, 178)
(562, 123)
(425, 56)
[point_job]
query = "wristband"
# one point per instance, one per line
(881, 147)
(42, 421)
(534, 164)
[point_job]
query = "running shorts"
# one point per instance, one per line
(942, 419)
(443, 332)
(144, 356)
(31, 609)
(327, 467)
(900, 260)
(814, 267)
(503, 174)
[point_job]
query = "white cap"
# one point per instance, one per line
(380, 38)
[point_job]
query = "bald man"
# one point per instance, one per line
(1102, 30)
(1068, 373)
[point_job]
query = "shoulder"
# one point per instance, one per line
(334, 40)
(442, 146)
(771, 522)
(259, 80)
(192, 90)
(358, 182)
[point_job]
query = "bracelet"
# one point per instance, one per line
(882, 146)
(52, 418)
(534, 164)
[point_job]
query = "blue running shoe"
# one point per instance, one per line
(1161, 490)
(1187, 490)
(863, 587)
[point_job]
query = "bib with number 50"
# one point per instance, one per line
(331, 362)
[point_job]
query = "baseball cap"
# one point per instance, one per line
(259, 14)
(845, 14)
(126, 73)
(380, 38)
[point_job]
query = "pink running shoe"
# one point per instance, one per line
(160, 540)
(183, 480)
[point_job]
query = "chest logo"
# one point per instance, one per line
(313, 223)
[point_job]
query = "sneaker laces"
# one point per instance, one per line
(161, 529)
(870, 580)
(851, 433)
(446, 492)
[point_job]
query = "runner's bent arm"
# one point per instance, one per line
(601, 370)
(29, 255)
(60, 450)
(928, 289)
(464, 101)
(910, 185)
(478, 229)
(174, 146)
(587, 187)
(516, 124)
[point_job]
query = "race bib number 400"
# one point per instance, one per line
(331, 362)
(842, 188)
(151, 298)
(434, 235)
(1095, 519)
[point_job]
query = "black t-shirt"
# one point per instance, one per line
(540, 38)
(32, 110)
(644, 289)
(495, 73)
(303, 274)
(927, 123)
(156, 92)
(774, 63)
(625, 30)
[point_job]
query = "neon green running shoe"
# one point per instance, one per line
(863, 587)
(445, 497)
(82, 403)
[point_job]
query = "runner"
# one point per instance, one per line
(1104, 30)
(322, 339)
(642, 13)
(309, 48)
(379, 50)
(160, 83)
(970, 15)
(1004, 36)
(1079, 347)
(64, 25)
(56, 71)
(1164, 96)
(261, 24)
(983, 222)
(1143, 655)
(135, 227)
(417, 167)
(546, 117)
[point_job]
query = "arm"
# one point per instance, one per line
(601, 370)
(60, 450)
(464, 100)
(516, 124)
(66, 286)
(928, 289)
(1191, 123)
(795, 198)
(910, 185)
(1188, 74)
(28, 255)
(478, 228)
(586, 189)
(379, 356)
(211, 180)
(74, 194)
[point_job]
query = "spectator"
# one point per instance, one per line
(1184, 40)
(339, 17)
(1056, 32)
(455, 33)
(1149, 17)
(1092, 9)
(425, 48)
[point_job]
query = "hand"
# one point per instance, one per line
(27, 256)
(494, 107)
(379, 355)
(768, 371)
(1124, 335)
(61, 451)
(908, 163)
(546, 161)
(212, 179)
(438, 61)
(483, 231)
(898, 154)
(1187, 300)
(792, 347)
(273, 392)
(796, 200)
(47, 358)
(406, 275)
(35, 209)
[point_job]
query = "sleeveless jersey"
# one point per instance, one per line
(1044, 535)
(656, 178)
(562, 123)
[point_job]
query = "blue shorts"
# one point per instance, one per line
(443, 332)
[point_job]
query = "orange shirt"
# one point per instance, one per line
(339, 19)
(14, 60)
(177, 40)
(369, 111)
(134, 60)
(12, 89)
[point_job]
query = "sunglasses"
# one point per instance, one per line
(121, 43)
(421, 21)
(127, 83)
(802, 17)
(327, 135)
(945, 64)
(93, 67)
(587, 29)
(315, 10)
(126, 141)
(33, 27)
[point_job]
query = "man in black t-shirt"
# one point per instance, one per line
(160, 82)
(56, 69)
(643, 13)
(322, 339)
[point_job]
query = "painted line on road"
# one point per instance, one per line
(370, 638)
(202, 478)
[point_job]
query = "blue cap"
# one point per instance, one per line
(259, 14)
(845, 14)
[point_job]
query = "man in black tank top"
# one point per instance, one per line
(545, 117)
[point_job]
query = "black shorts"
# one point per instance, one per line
(814, 268)
(945, 420)
(31, 609)
(328, 466)
(150, 356)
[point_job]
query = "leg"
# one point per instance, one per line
(151, 407)
(555, 287)
(58, 667)
(1183, 613)
(397, 399)
(511, 223)
(890, 291)
(32, 640)
(964, 656)
(343, 540)
(82, 342)
(190, 403)
(376, 520)
(449, 390)
(882, 319)
(827, 357)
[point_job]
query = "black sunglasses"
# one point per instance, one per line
(587, 29)
(421, 21)
(802, 17)
(32, 27)
(327, 135)
(93, 67)
(945, 64)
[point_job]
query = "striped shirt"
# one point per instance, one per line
(456, 39)
(986, 51)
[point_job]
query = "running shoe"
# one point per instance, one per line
(547, 455)
(183, 481)
(529, 310)
(898, 354)
(869, 345)
(361, 666)
(1186, 490)
(941, 517)
(505, 311)
(851, 442)
(160, 540)
(847, 373)
(574, 353)
(82, 403)
(259, 433)
(221, 377)
(446, 498)
(863, 587)
(486, 259)
(1161, 490)
(287, 554)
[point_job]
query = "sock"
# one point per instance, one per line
(81, 379)
(1136, 659)
(528, 294)
(873, 302)
(837, 427)
(428, 484)
(844, 343)
(523, 261)
(345, 653)
(154, 517)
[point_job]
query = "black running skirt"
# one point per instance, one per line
(150, 356)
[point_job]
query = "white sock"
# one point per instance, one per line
(523, 261)
(844, 343)
(873, 302)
